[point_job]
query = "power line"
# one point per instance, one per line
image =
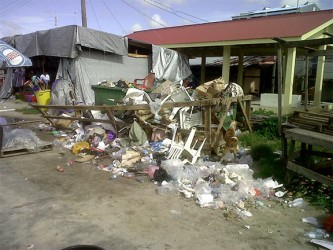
(114, 17)
(165, 7)
(193, 16)
(8, 5)
(143, 13)
(95, 14)
(11, 8)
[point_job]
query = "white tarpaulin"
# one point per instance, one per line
(170, 65)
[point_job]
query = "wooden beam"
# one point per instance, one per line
(304, 43)
(310, 174)
(247, 121)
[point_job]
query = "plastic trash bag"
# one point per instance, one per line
(22, 138)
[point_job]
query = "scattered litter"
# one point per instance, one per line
(323, 243)
(317, 234)
(311, 220)
(60, 169)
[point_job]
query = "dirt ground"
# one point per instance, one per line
(41, 208)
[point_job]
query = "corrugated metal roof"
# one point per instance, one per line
(282, 26)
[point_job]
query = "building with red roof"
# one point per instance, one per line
(298, 34)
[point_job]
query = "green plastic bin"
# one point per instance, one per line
(107, 95)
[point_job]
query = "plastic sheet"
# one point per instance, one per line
(22, 138)
(170, 65)
(174, 167)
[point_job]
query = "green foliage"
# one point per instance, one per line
(263, 152)
(261, 111)
(28, 111)
(268, 128)
(317, 194)
(256, 139)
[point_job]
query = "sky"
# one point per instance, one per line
(122, 17)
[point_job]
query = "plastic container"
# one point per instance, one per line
(43, 97)
(167, 189)
(317, 234)
(296, 203)
(107, 95)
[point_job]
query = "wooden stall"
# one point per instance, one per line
(312, 130)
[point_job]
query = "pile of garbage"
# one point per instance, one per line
(218, 184)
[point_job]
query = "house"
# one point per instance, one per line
(297, 34)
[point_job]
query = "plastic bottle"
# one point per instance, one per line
(296, 203)
(317, 234)
(167, 189)
(115, 175)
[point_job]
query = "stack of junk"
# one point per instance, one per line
(166, 147)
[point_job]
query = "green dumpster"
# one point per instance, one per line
(108, 95)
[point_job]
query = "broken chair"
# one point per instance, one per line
(146, 83)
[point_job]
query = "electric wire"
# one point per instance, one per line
(114, 17)
(11, 8)
(12, 4)
(143, 13)
(95, 14)
(165, 7)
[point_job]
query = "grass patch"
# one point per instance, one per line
(28, 111)
(264, 153)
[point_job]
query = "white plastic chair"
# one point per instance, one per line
(176, 148)
(189, 119)
(189, 151)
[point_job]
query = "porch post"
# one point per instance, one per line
(289, 80)
(226, 63)
(319, 78)
(240, 69)
(203, 70)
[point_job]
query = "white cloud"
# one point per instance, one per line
(9, 28)
(23, 25)
(257, 1)
(136, 27)
(165, 2)
(158, 22)
(294, 2)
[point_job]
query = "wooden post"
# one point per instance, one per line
(306, 84)
(280, 70)
(240, 69)
(226, 64)
(203, 70)
(319, 78)
(84, 13)
(289, 79)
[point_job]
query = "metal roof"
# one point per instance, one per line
(282, 26)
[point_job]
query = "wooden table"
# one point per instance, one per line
(308, 139)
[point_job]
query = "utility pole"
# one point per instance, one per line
(84, 13)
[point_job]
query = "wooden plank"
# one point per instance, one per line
(8, 152)
(310, 174)
(198, 103)
(247, 121)
(310, 137)
(77, 119)
(208, 124)
(218, 133)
